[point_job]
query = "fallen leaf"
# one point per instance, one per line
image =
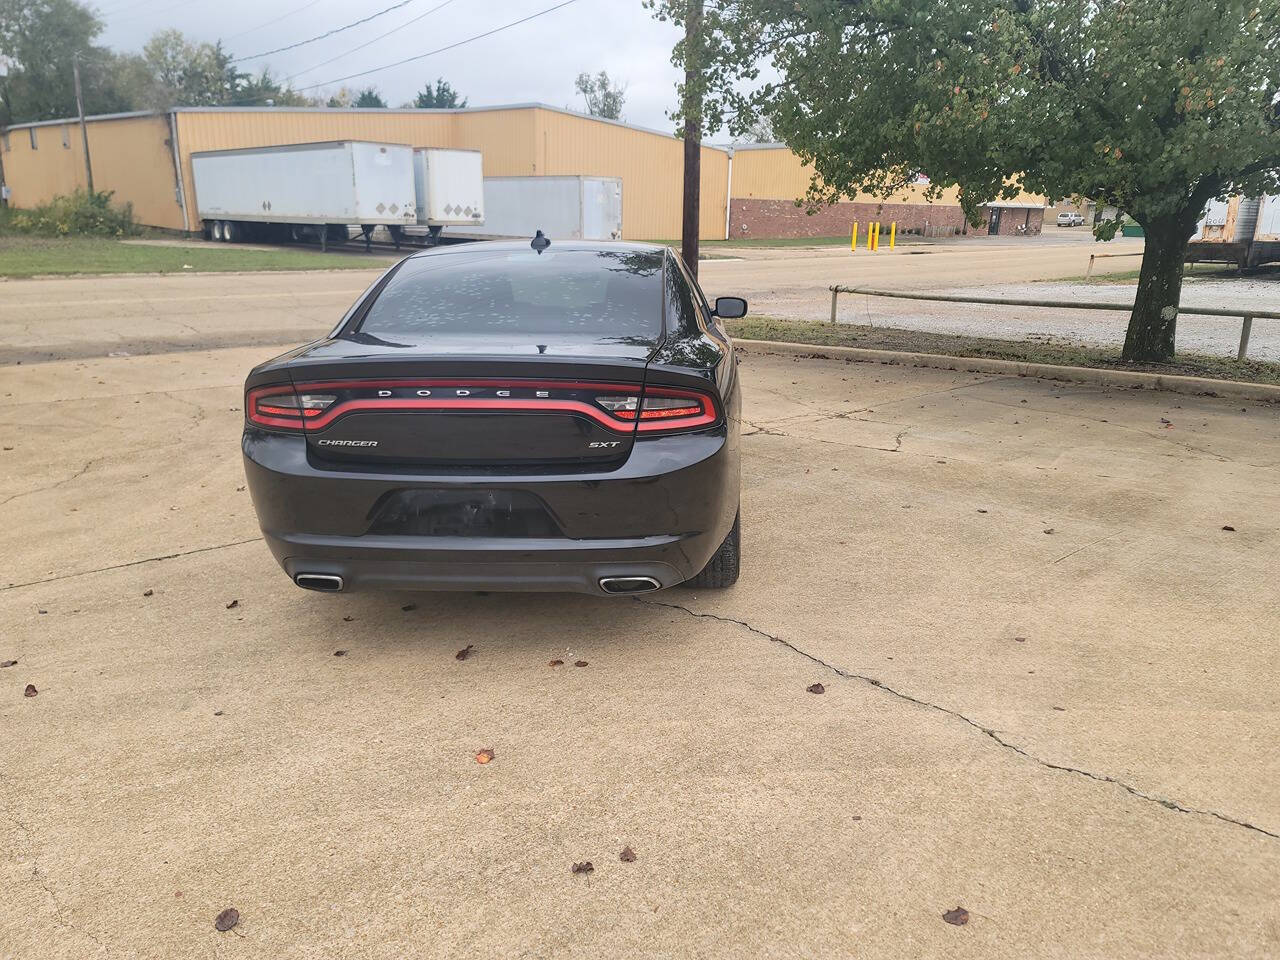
(816, 688)
(233, 604)
(1229, 528)
(1050, 530)
(42, 611)
(1020, 639)
(9, 663)
(1061, 709)
(347, 619)
(485, 755)
(980, 510)
(555, 663)
(627, 855)
(227, 919)
(584, 867)
(957, 917)
(339, 653)
(148, 593)
(217, 713)
(579, 663)
(464, 652)
(409, 606)
(31, 690)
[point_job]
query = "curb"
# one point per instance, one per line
(1131, 379)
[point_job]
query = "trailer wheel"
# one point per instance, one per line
(231, 232)
(215, 231)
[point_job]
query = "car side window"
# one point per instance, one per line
(695, 303)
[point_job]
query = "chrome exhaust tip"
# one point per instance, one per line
(324, 582)
(629, 584)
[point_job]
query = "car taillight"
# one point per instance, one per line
(281, 407)
(662, 409)
(315, 406)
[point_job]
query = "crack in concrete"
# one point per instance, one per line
(986, 731)
(132, 563)
(1092, 543)
(36, 877)
(770, 432)
(75, 476)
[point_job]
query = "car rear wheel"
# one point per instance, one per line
(722, 569)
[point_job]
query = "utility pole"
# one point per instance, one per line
(84, 128)
(692, 110)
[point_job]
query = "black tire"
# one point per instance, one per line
(722, 569)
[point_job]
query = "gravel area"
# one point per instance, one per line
(1219, 336)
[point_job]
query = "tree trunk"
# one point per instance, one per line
(1154, 319)
(692, 110)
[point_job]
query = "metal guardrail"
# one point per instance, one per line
(1247, 316)
(1103, 256)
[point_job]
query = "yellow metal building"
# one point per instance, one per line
(748, 190)
(146, 158)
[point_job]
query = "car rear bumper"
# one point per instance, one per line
(661, 514)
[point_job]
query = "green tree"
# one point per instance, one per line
(1154, 106)
(442, 96)
(38, 41)
(369, 97)
(188, 74)
(264, 90)
(604, 97)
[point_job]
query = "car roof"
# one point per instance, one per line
(515, 246)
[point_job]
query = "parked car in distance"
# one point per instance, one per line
(506, 416)
(1071, 218)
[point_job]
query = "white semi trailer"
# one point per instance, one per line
(317, 191)
(563, 208)
(1240, 230)
(449, 185)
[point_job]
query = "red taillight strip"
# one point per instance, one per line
(677, 419)
(394, 404)
(257, 412)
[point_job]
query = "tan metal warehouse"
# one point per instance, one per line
(145, 158)
(747, 191)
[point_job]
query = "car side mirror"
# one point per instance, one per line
(730, 308)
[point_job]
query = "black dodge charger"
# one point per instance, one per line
(506, 416)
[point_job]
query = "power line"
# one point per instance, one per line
(330, 33)
(431, 53)
(283, 16)
(381, 36)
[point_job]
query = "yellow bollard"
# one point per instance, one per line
(893, 233)
(853, 242)
(875, 236)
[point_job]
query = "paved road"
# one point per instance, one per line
(1070, 734)
(53, 319)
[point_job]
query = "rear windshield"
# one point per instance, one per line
(588, 292)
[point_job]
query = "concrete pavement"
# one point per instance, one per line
(1069, 733)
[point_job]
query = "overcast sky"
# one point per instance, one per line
(538, 60)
